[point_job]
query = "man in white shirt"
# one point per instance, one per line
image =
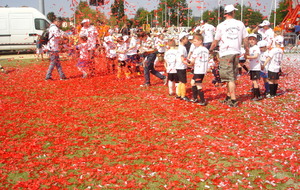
(266, 32)
(230, 34)
(55, 35)
(207, 31)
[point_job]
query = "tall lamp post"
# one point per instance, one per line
(42, 6)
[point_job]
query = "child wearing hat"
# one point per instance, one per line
(255, 66)
(263, 57)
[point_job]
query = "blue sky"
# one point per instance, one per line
(64, 7)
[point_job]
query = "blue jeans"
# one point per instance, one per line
(54, 62)
(149, 68)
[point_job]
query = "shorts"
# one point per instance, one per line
(121, 63)
(173, 77)
(263, 75)
(82, 63)
(181, 73)
(39, 51)
(160, 56)
(229, 67)
(198, 78)
(254, 75)
(273, 75)
(134, 59)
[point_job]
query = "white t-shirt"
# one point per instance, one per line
(254, 63)
(122, 48)
(134, 45)
(181, 52)
(91, 33)
(201, 57)
(170, 58)
(208, 32)
(267, 35)
(83, 51)
(230, 34)
(54, 38)
(263, 58)
(110, 49)
(277, 55)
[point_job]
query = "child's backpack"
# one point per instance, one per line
(44, 37)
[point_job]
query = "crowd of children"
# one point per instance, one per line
(125, 54)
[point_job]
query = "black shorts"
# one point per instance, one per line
(254, 75)
(181, 73)
(273, 75)
(198, 78)
(121, 63)
(173, 77)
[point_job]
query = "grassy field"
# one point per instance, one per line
(104, 133)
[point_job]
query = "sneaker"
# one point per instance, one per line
(186, 99)
(145, 85)
(255, 99)
(225, 101)
(177, 97)
(202, 103)
(48, 78)
(193, 100)
(165, 81)
(64, 78)
(231, 104)
(268, 96)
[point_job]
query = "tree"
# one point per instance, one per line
(84, 11)
(141, 17)
(117, 10)
(175, 11)
(281, 11)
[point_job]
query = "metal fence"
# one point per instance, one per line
(291, 42)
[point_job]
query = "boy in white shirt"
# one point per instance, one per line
(170, 65)
(84, 56)
(255, 66)
(274, 63)
(111, 53)
(181, 66)
(199, 59)
(122, 57)
(263, 57)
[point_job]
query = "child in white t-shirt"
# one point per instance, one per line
(199, 59)
(274, 64)
(84, 56)
(263, 57)
(122, 57)
(170, 65)
(111, 53)
(255, 66)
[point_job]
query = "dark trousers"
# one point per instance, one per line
(149, 68)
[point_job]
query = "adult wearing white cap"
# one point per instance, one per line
(266, 32)
(230, 34)
(93, 38)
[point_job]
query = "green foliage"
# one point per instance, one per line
(84, 11)
(117, 10)
(281, 12)
(250, 16)
(174, 8)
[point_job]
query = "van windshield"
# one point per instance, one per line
(41, 24)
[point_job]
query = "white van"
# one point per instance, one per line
(19, 27)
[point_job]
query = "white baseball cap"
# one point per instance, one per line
(229, 8)
(85, 20)
(252, 35)
(262, 43)
(278, 39)
(183, 34)
(265, 23)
